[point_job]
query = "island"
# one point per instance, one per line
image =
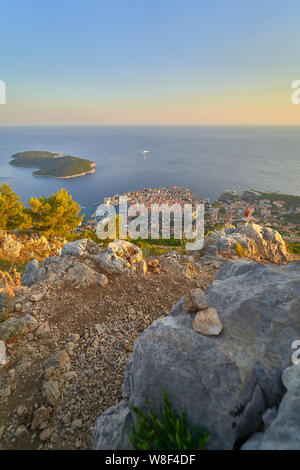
(53, 165)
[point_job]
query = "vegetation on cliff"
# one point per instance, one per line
(166, 431)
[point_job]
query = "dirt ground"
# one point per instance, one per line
(95, 328)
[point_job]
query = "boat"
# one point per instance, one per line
(145, 151)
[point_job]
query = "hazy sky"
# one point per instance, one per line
(149, 61)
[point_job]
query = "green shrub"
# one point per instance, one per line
(166, 431)
(294, 247)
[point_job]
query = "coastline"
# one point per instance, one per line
(65, 177)
(18, 162)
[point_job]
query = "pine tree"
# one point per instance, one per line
(57, 215)
(12, 214)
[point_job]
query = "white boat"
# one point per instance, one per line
(145, 151)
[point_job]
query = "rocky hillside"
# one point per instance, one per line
(69, 333)
(222, 364)
(251, 241)
(85, 315)
(23, 248)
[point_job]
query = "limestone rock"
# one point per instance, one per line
(251, 241)
(225, 383)
(108, 432)
(81, 276)
(137, 258)
(125, 249)
(4, 299)
(141, 267)
(51, 391)
(41, 415)
(31, 274)
(80, 262)
(80, 248)
(11, 247)
(291, 378)
(194, 300)
(207, 322)
(37, 297)
(59, 360)
(43, 331)
(2, 353)
(284, 431)
(109, 262)
(269, 416)
(17, 326)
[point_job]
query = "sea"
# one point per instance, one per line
(206, 159)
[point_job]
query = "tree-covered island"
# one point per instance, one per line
(53, 164)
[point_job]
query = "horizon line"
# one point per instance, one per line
(151, 125)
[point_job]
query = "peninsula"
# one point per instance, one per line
(53, 165)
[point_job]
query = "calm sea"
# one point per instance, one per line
(206, 159)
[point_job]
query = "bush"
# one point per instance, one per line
(294, 247)
(166, 431)
(11, 280)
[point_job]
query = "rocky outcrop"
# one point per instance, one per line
(16, 246)
(283, 433)
(251, 241)
(17, 326)
(81, 275)
(81, 261)
(2, 353)
(225, 382)
(11, 247)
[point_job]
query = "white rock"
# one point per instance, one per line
(2, 353)
(291, 377)
(194, 301)
(84, 247)
(207, 322)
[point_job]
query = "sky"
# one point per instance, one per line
(158, 62)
